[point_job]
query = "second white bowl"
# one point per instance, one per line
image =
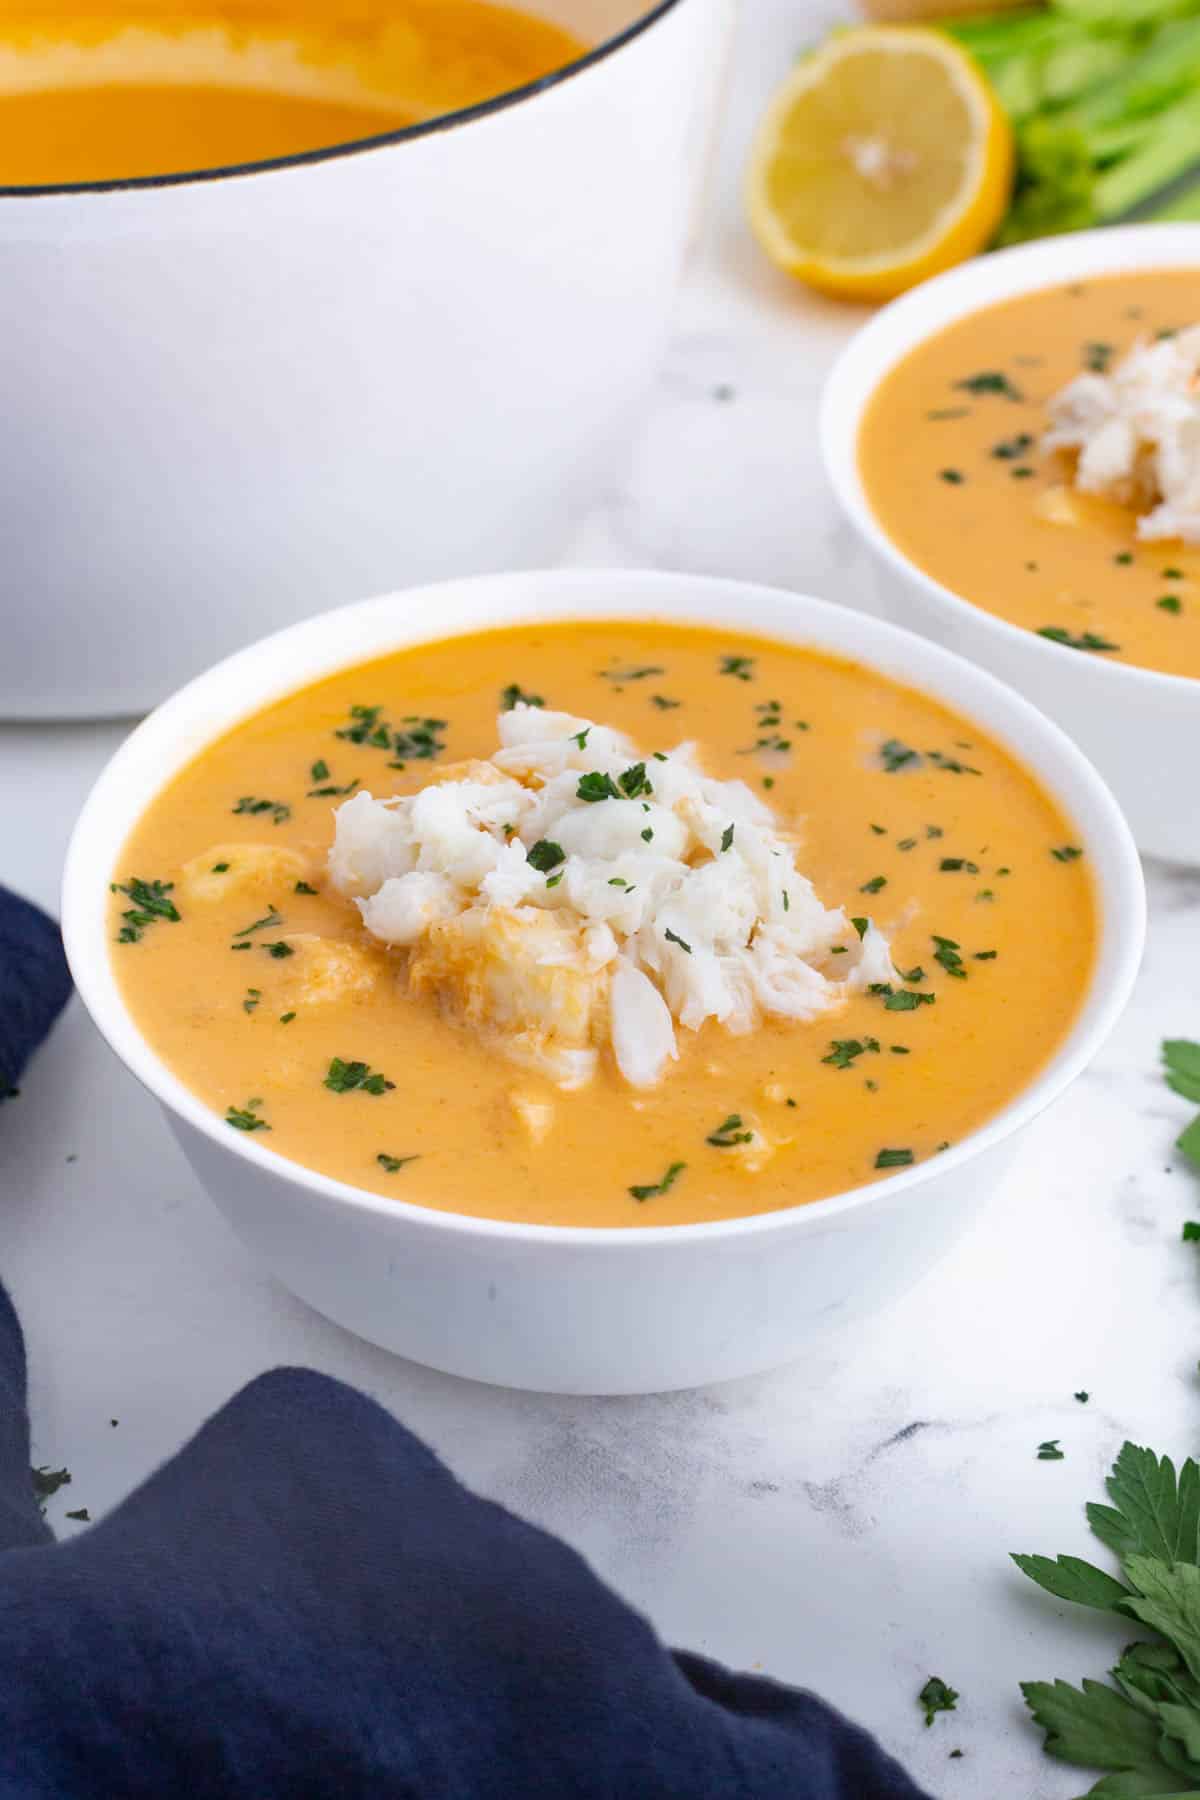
(1140, 727)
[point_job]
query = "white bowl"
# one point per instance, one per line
(237, 398)
(1139, 726)
(562, 1308)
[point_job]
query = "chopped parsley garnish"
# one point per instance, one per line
(895, 755)
(151, 902)
(1191, 1232)
(1085, 640)
(949, 412)
(1170, 603)
(1082, 1396)
(1022, 473)
(515, 695)
(647, 836)
(319, 771)
(844, 1051)
(874, 885)
(1013, 448)
(934, 831)
(82, 1514)
(900, 999)
(1124, 557)
(950, 764)
(914, 975)
(740, 667)
(414, 740)
(597, 786)
(268, 919)
(552, 881)
(302, 887)
(546, 855)
(1097, 357)
(990, 381)
(1066, 853)
(673, 939)
(894, 1159)
(46, 1482)
(729, 1133)
(936, 1697)
(879, 830)
(1173, 575)
(278, 809)
(330, 788)
(1049, 1451)
(986, 955)
(948, 954)
(392, 1163)
(253, 996)
(641, 673)
(663, 703)
(860, 925)
(952, 477)
(219, 868)
(580, 738)
(632, 781)
(950, 865)
(244, 1118)
(279, 949)
(345, 1077)
(654, 1188)
(727, 838)
(286, 1018)
(907, 844)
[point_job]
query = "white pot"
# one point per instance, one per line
(1140, 727)
(232, 401)
(569, 1309)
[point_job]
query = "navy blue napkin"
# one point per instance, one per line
(304, 1603)
(34, 983)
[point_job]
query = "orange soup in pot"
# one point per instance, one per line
(92, 90)
(609, 924)
(955, 462)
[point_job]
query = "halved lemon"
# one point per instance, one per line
(884, 158)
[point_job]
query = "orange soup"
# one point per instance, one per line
(951, 461)
(248, 963)
(92, 90)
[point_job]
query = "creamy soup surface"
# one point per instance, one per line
(951, 461)
(97, 91)
(905, 815)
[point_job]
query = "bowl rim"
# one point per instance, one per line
(463, 115)
(1022, 269)
(208, 706)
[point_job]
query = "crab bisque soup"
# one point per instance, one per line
(97, 90)
(1041, 458)
(610, 924)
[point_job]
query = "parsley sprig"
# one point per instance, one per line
(151, 902)
(1181, 1064)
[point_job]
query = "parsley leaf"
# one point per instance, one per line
(595, 786)
(546, 855)
(244, 1118)
(515, 695)
(1085, 640)
(727, 838)
(1181, 1060)
(151, 902)
(344, 1077)
(894, 1159)
(729, 1133)
(651, 1189)
(392, 1163)
(937, 1697)
(278, 809)
(740, 667)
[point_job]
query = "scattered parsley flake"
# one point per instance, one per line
(1170, 603)
(279, 949)
(663, 703)
(632, 781)
(729, 1133)
(515, 695)
(46, 1482)
(546, 855)
(654, 1188)
(1085, 640)
(244, 1118)
(936, 1697)
(727, 839)
(673, 939)
(278, 809)
(344, 1077)
(1050, 1452)
(1066, 853)
(876, 883)
(596, 786)
(286, 1018)
(948, 954)
(635, 674)
(894, 1159)
(860, 925)
(151, 903)
(844, 1051)
(1082, 1396)
(952, 477)
(1191, 1232)
(990, 381)
(267, 920)
(392, 1163)
(302, 887)
(740, 667)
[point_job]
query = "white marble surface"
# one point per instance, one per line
(843, 1523)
